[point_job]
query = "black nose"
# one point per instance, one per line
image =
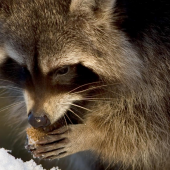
(37, 122)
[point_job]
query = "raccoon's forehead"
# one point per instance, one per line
(14, 54)
(45, 34)
(46, 60)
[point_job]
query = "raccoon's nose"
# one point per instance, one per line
(37, 122)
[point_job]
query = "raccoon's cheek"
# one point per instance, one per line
(58, 105)
(28, 101)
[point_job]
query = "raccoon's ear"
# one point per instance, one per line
(85, 5)
(92, 5)
(102, 10)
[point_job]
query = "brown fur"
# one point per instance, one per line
(130, 123)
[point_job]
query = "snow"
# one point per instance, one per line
(8, 162)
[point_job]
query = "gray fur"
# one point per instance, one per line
(130, 124)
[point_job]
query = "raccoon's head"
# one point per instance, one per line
(62, 53)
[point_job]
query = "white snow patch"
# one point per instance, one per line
(8, 162)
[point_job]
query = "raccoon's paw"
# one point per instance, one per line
(60, 143)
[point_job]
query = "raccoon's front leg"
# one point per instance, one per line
(65, 141)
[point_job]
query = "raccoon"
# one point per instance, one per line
(104, 65)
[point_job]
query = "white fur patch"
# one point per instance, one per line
(72, 58)
(29, 102)
(12, 53)
(2, 55)
(58, 105)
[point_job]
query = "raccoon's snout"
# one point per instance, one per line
(37, 122)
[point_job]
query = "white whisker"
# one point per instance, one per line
(65, 122)
(78, 106)
(83, 86)
(94, 99)
(76, 114)
(6, 81)
(11, 105)
(10, 87)
(93, 88)
(68, 118)
(12, 97)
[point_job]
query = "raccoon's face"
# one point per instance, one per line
(59, 52)
(51, 87)
(45, 55)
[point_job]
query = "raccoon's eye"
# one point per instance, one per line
(63, 71)
(63, 75)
